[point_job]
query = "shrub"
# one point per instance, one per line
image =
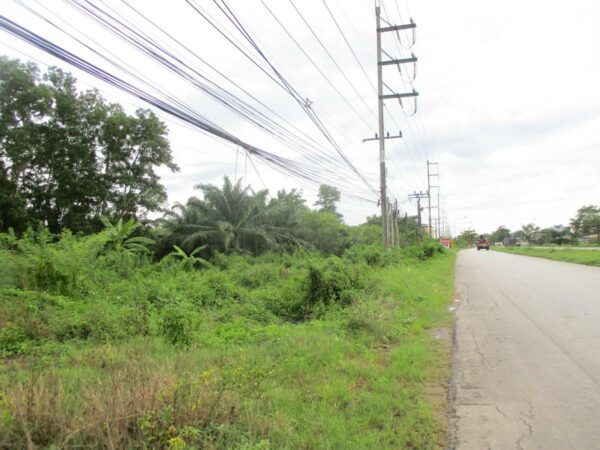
(331, 282)
(426, 250)
(176, 326)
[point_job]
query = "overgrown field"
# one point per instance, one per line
(102, 348)
(590, 257)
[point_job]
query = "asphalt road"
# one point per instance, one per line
(526, 371)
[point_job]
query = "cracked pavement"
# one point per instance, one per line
(526, 369)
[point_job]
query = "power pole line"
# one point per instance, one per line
(429, 186)
(385, 238)
(419, 195)
(381, 137)
(438, 209)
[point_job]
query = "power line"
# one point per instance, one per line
(217, 95)
(332, 59)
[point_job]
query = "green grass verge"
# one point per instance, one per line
(588, 257)
(358, 377)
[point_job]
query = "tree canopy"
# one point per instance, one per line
(68, 157)
(328, 196)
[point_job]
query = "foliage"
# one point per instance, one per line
(577, 222)
(325, 232)
(118, 236)
(426, 250)
(190, 261)
(557, 234)
(530, 231)
(142, 354)
(591, 224)
(466, 239)
(66, 158)
(500, 234)
(327, 198)
(233, 219)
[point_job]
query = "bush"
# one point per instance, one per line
(426, 250)
(176, 326)
(331, 282)
(374, 255)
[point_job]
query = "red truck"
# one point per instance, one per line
(483, 243)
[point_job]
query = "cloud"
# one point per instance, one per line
(508, 99)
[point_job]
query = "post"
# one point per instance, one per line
(384, 220)
(438, 213)
(429, 199)
(419, 218)
(394, 215)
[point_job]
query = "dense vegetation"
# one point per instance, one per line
(68, 157)
(104, 347)
(236, 320)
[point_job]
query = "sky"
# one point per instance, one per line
(508, 106)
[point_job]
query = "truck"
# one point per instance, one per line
(482, 243)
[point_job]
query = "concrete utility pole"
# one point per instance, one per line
(429, 186)
(382, 187)
(396, 231)
(381, 137)
(438, 210)
(419, 195)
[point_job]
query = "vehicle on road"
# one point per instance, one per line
(483, 243)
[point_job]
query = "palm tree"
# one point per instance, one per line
(183, 225)
(230, 219)
(234, 216)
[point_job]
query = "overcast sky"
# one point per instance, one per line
(509, 103)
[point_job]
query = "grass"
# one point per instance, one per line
(588, 257)
(220, 367)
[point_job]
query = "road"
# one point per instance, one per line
(526, 371)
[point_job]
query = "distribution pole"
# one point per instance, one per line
(429, 198)
(430, 174)
(382, 174)
(381, 136)
(438, 214)
(395, 224)
(419, 195)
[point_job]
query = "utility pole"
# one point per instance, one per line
(396, 242)
(380, 136)
(438, 211)
(430, 175)
(383, 197)
(419, 195)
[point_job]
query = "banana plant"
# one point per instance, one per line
(117, 237)
(189, 262)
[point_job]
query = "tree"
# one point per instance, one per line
(134, 147)
(530, 231)
(499, 235)
(577, 222)
(591, 224)
(328, 196)
(325, 232)
(466, 239)
(12, 205)
(234, 219)
(70, 157)
(558, 234)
